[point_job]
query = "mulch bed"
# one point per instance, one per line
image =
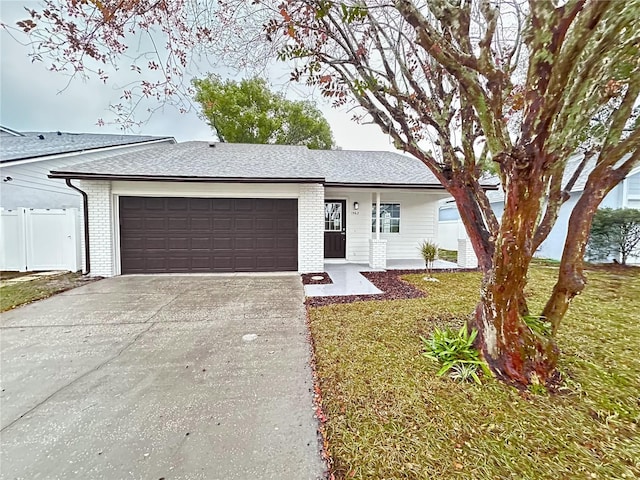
(389, 282)
(392, 286)
(308, 280)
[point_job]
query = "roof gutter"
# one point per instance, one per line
(177, 178)
(413, 186)
(85, 210)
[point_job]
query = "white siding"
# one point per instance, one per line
(30, 186)
(418, 221)
(358, 221)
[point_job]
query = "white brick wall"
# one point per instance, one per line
(377, 253)
(311, 228)
(100, 227)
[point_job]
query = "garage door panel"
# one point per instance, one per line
(134, 203)
(286, 225)
(223, 205)
(177, 204)
(265, 243)
(201, 243)
(207, 235)
(245, 243)
(243, 223)
(200, 204)
(155, 243)
(223, 263)
(177, 223)
(222, 224)
(284, 243)
(222, 243)
(244, 205)
(200, 223)
(245, 263)
(265, 224)
(154, 203)
(131, 223)
(155, 223)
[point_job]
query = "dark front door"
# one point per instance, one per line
(335, 228)
(163, 235)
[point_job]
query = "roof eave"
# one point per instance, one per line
(43, 156)
(180, 178)
(417, 186)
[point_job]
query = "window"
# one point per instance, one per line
(389, 218)
(332, 216)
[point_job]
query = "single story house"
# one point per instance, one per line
(625, 195)
(42, 217)
(221, 207)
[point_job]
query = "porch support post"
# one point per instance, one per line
(378, 215)
(377, 246)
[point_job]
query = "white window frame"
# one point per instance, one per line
(382, 219)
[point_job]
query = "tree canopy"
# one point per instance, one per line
(457, 84)
(249, 112)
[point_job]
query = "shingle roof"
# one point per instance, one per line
(227, 161)
(362, 167)
(30, 145)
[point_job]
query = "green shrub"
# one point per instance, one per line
(456, 354)
(429, 251)
(615, 234)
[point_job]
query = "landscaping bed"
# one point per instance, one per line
(13, 295)
(391, 284)
(311, 278)
(388, 415)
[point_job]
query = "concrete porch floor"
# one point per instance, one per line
(347, 279)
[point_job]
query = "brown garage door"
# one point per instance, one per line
(159, 235)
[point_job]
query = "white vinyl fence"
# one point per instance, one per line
(40, 239)
(449, 231)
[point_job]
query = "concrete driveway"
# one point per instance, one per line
(160, 377)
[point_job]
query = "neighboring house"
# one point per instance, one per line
(624, 195)
(27, 158)
(25, 188)
(220, 207)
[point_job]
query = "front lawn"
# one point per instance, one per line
(13, 295)
(390, 417)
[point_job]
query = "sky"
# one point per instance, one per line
(35, 99)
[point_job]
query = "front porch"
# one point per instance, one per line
(347, 279)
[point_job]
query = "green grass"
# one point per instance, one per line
(15, 294)
(391, 417)
(448, 255)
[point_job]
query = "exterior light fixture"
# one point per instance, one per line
(356, 205)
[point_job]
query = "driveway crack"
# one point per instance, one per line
(77, 379)
(97, 367)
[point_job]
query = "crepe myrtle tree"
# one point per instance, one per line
(462, 85)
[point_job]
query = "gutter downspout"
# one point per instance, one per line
(85, 211)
